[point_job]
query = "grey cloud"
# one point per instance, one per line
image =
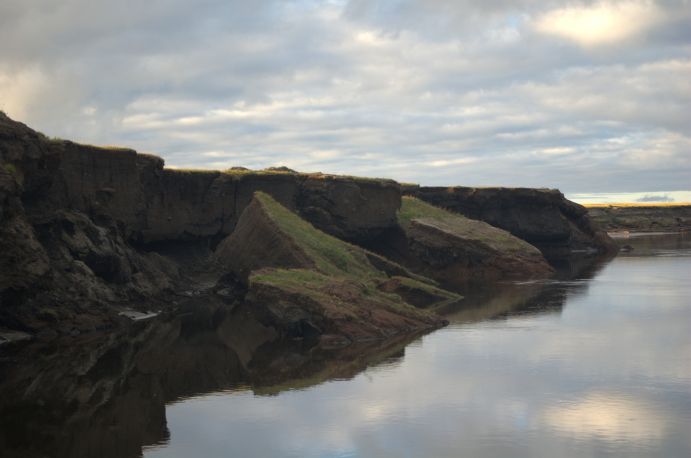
(654, 198)
(437, 92)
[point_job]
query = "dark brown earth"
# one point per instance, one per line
(456, 250)
(542, 217)
(86, 232)
(309, 284)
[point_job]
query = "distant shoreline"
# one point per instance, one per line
(640, 217)
(638, 204)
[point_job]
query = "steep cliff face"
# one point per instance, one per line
(456, 250)
(157, 204)
(542, 217)
(79, 223)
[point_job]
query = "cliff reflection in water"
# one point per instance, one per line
(107, 396)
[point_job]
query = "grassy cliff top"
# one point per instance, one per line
(243, 172)
(413, 209)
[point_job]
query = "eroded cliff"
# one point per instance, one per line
(542, 217)
(81, 227)
(456, 250)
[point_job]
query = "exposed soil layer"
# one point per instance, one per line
(309, 284)
(542, 217)
(456, 250)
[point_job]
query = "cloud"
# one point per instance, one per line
(599, 23)
(437, 91)
(654, 198)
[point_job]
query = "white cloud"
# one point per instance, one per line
(371, 88)
(601, 23)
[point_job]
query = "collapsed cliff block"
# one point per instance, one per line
(542, 217)
(306, 283)
(258, 242)
(456, 250)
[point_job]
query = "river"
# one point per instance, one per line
(597, 363)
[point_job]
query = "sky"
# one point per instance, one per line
(591, 97)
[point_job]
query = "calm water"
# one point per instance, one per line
(597, 365)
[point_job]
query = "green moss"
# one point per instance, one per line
(10, 168)
(290, 279)
(412, 208)
(341, 271)
(331, 255)
(416, 284)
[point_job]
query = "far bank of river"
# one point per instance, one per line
(642, 218)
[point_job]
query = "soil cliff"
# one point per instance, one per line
(306, 283)
(456, 250)
(542, 217)
(82, 227)
(88, 233)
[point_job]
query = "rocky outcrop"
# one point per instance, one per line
(542, 217)
(306, 283)
(80, 225)
(456, 250)
(59, 267)
(642, 218)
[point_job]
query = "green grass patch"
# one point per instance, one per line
(413, 208)
(10, 168)
(341, 271)
(331, 255)
(291, 279)
(412, 283)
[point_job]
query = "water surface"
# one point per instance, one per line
(588, 367)
(596, 363)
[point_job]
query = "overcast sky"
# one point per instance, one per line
(588, 97)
